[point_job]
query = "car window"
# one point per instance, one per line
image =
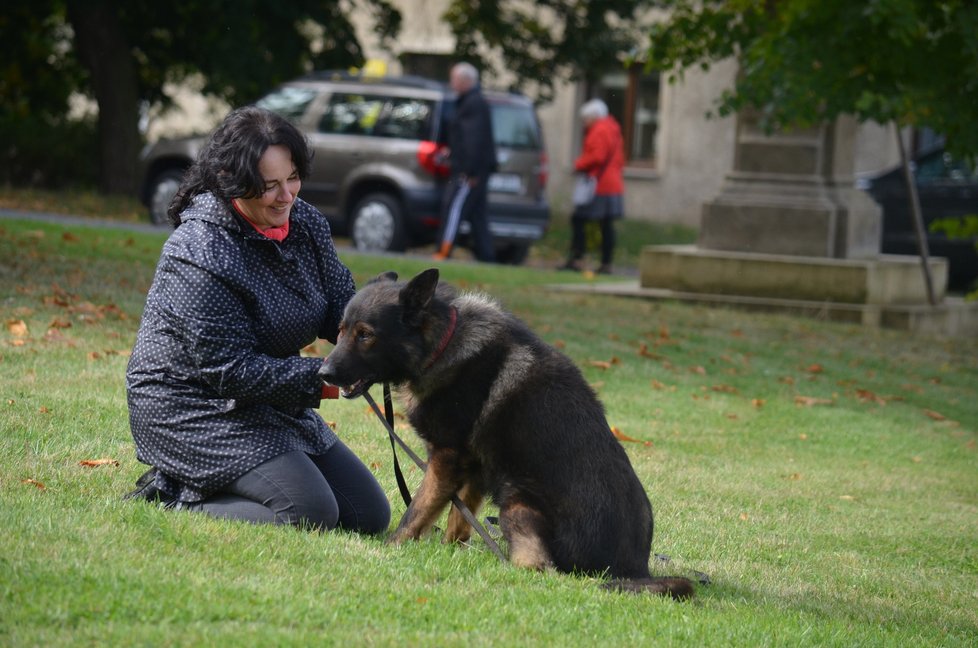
(288, 101)
(514, 126)
(378, 116)
(942, 167)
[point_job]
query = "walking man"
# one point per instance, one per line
(472, 155)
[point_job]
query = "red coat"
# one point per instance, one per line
(603, 138)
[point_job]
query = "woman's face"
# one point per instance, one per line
(271, 209)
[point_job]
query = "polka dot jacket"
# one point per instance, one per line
(215, 384)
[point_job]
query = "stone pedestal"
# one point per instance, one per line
(793, 194)
(790, 231)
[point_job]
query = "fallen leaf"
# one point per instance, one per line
(17, 328)
(787, 380)
(69, 237)
(732, 417)
(698, 370)
(757, 402)
(934, 415)
(916, 459)
(794, 477)
(33, 482)
(803, 437)
(743, 516)
(724, 388)
(814, 369)
(600, 364)
(559, 344)
(865, 395)
(332, 424)
(643, 350)
(94, 463)
(43, 410)
(848, 498)
(624, 437)
(809, 401)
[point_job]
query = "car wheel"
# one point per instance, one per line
(514, 254)
(377, 224)
(161, 191)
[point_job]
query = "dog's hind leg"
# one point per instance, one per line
(441, 480)
(459, 530)
(524, 528)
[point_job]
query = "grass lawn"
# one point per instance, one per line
(824, 476)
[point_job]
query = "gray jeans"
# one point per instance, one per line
(323, 492)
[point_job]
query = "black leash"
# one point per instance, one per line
(387, 418)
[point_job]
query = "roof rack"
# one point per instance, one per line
(346, 75)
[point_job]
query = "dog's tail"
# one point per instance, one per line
(680, 589)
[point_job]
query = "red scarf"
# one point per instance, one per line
(274, 233)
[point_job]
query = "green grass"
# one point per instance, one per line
(847, 520)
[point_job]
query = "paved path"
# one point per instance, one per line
(84, 221)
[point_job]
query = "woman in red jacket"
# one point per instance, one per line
(602, 156)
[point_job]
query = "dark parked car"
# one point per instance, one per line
(947, 188)
(378, 173)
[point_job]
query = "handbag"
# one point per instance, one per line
(584, 187)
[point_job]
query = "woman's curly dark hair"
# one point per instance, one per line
(227, 166)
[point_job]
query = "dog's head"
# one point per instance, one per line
(386, 333)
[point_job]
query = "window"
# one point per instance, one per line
(633, 99)
(377, 116)
(289, 102)
(515, 127)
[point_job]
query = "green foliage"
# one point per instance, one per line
(846, 522)
(122, 53)
(913, 62)
(40, 150)
(542, 42)
(961, 228)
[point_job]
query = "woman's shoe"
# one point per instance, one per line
(146, 489)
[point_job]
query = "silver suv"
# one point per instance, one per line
(378, 172)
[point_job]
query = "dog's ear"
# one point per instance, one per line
(417, 294)
(390, 275)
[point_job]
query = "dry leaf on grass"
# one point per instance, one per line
(809, 401)
(33, 482)
(621, 436)
(17, 328)
(867, 396)
(95, 463)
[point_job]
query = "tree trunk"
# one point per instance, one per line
(918, 219)
(104, 51)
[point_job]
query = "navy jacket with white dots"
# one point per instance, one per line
(216, 384)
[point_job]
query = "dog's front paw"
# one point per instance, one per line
(400, 536)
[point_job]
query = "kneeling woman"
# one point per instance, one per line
(221, 404)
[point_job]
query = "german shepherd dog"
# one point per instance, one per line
(506, 415)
